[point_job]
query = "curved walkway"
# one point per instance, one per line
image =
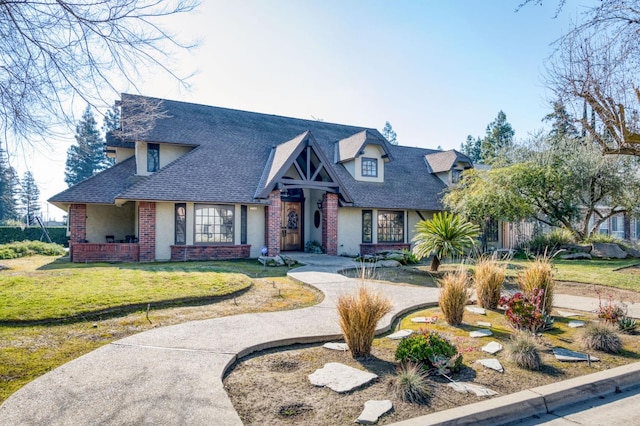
(173, 375)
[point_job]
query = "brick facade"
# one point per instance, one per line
(112, 252)
(330, 223)
(366, 249)
(273, 223)
(78, 223)
(204, 252)
(147, 231)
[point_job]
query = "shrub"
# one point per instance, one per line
(30, 248)
(549, 243)
(524, 313)
(610, 312)
(430, 349)
(523, 351)
(601, 337)
(409, 257)
(601, 238)
(454, 293)
(410, 383)
(627, 324)
(488, 279)
(539, 276)
(359, 315)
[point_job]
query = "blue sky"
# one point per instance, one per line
(437, 70)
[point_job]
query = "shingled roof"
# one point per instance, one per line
(234, 148)
(443, 161)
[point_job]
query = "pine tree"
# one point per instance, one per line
(8, 183)
(87, 157)
(471, 148)
(498, 137)
(389, 134)
(30, 198)
(561, 122)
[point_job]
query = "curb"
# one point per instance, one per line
(536, 401)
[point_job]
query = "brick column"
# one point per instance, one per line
(272, 223)
(77, 226)
(147, 231)
(330, 223)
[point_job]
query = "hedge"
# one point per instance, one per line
(10, 234)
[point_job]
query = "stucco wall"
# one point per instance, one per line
(255, 229)
(349, 230)
(311, 232)
(168, 153)
(370, 151)
(165, 232)
(413, 219)
(103, 220)
(124, 153)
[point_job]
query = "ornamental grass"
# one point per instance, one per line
(454, 294)
(601, 337)
(539, 276)
(523, 351)
(410, 383)
(488, 279)
(359, 315)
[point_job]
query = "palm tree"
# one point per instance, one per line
(444, 235)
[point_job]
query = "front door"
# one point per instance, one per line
(291, 226)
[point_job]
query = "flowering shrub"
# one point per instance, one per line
(525, 313)
(610, 312)
(430, 349)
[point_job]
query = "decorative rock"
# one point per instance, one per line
(576, 324)
(577, 248)
(566, 355)
(476, 310)
(567, 314)
(483, 324)
(608, 250)
(271, 261)
(425, 320)
(401, 334)
(492, 363)
(576, 256)
(373, 410)
(388, 263)
(633, 252)
(480, 333)
(336, 346)
(340, 378)
(492, 348)
(465, 387)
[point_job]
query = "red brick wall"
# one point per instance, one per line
(78, 223)
(147, 231)
(113, 252)
(330, 223)
(183, 253)
(273, 223)
(375, 248)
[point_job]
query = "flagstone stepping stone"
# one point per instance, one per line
(465, 387)
(476, 310)
(340, 378)
(373, 410)
(480, 333)
(566, 355)
(492, 348)
(492, 363)
(567, 314)
(401, 334)
(483, 324)
(336, 346)
(576, 324)
(425, 320)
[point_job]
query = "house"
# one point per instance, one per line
(205, 182)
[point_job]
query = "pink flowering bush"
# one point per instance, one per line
(525, 313)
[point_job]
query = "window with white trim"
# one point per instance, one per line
(213, 224)
(390, 226)
(369, 167)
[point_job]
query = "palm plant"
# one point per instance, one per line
(444, 235)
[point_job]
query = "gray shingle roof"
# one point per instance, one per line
(443, 161)
(234, 147)
(349, 148)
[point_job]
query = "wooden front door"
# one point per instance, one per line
(291, 226)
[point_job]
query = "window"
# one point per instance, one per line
(367, 226)
(614, 224)
(153, 157)
(456, 176)
(243, 224)
(214, 224)
(369, 167)
(181, 224)
(604, 228)
(390, 226)
(638, 228)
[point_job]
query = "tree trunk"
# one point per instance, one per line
(435, 264)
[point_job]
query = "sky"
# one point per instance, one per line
(436, 70)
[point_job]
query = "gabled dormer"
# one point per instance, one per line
(364, 155)
(151, 157)
(448, 165)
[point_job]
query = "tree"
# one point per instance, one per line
(29, 198)
(389, 134)
(561, 183)
(87, 157)
(55, 51)
(499, 136)
(597, 62)
(7, 189)
(561, 122)
(471, 148)
(445, 235)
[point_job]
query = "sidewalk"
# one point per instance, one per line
(173, 375)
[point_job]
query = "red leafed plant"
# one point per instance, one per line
(525, 313)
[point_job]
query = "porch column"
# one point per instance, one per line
(273, 222)
(77, 226)
(330, 223)
(147, 231)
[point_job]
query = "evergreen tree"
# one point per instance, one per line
(498, 137)
(389, 134)
(30, 198)
(471, 148)
(561, 122)
(8, 182)
(87, 157)
(110, 123)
